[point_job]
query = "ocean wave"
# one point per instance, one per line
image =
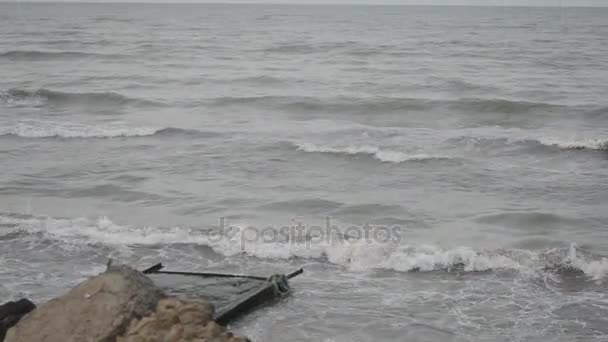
(590, 144)
(93, 42)
(306, 48)
(261, 80)
(350, 47)
(383, 155)
(387, 104)
(113, 19)
(500, 106)
(291, 49)
(309, 206)
(357, 255)
(34, 55)
(47, 129)
(328, 105)
(271, 101)
(254, 80)
(529, 139)
(43, 96)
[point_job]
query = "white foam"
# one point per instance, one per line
(48, 129)
(384, 155)
(424, 258)
(596, 269)
(352, 254)
(19, 101)
(592, 144)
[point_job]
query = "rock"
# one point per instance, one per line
(177, 320)
(11, 313)
(119, 305)
(97, 310)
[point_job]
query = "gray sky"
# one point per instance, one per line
(551, 3)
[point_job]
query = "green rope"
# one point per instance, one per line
(279, 283)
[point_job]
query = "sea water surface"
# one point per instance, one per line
(471, 142)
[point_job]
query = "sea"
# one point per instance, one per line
(440, 173)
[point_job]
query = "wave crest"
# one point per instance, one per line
(531, 140)
(353, 254)
(386, 104)
(45, 129)
(383, 155)
(591, 144)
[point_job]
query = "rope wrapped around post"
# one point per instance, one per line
(279, 283)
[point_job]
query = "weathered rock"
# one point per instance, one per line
(11, 313)
(97, 310)
(178, 321)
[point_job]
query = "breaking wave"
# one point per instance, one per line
(383, 155)
(45, 129)
(591, 144)
(531, 139)
(42, 96)
(353, 254)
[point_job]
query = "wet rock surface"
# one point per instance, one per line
(11, 313)
(176, 320)
(122, 305)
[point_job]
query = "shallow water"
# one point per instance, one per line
(439, 172)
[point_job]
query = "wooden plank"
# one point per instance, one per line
(266, 293)
(246, 303)
(153, 269)
(210, 275)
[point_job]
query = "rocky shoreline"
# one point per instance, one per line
(118, 305)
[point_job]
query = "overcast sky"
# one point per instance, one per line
(551, 3)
